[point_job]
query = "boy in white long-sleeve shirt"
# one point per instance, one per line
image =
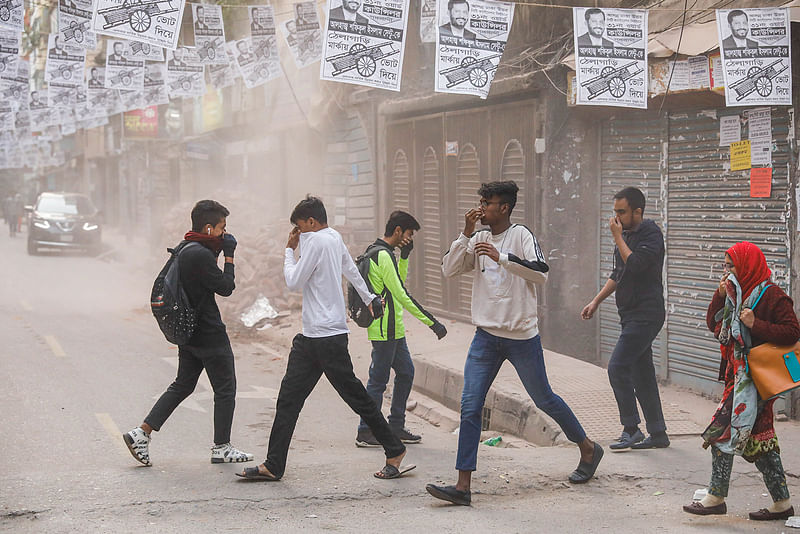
(322, 347)
(508, 264)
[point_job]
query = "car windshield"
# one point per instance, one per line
(66, 205)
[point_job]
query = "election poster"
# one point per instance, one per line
(41, 114)
(60, 95)
(65, 61)
(131, 99)
(155, 84)
(263, 43)
(230, 48)
(113, 102)
(471, 38)
(139, 50)
(13, 86)
(221, 76)
(255, 70)
(364, 44)
(22, 123)
(7, 115)
(156, 22)
(9, 52)
(75, 23)
(185, 75)
(96, 92)
(611, 57)
(427, 21)
(13, 15)
(756, 56)
(209, 34)
(303, 35)
(122, 72)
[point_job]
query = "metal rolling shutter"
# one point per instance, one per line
(468, 182)
(631, 156)
(710, 209)
(400, 181)
(513, 168)
(433, 281)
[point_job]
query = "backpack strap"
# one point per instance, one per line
(753, 307)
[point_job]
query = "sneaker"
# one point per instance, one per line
(626, 440)
(660, 441)
(406, 436)
(364, 438)
(227, 453)
(138, 443)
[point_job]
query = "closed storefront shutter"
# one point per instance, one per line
(468, 181)
(631, 156)
(433, 281)
(710, 209)
(401, 181)
(513, 168)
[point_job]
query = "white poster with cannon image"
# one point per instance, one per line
(253, 65)
(75, 23)
(156, 22)
(122, 71)
(471, 37)
(209, 34)
(185, 74)
(64, 61)
(9, 53)
(7, 116)
(264, 42)
(145, 51)
(303, 35)
(41, 114)
(364, 44)
(60, 95)
(756, 56)
(14, 84)
(155, 84)
(132, 99)
(221, 76)
(12, 15)
(611, 56)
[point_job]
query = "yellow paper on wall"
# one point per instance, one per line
(740, 155)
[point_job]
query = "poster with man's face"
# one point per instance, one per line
(756, 56)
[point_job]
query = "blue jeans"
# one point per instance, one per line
(633, 376)
(486, 354)
(388, 355)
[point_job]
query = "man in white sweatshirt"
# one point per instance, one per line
(322, 347)
(508, 263)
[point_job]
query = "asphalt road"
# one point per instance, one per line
(81, 361)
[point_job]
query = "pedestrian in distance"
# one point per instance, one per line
(747, 309)
(508, 265)
(387, 276)
(209, 348)
(322, 346)
(636, 280)
(13, 210)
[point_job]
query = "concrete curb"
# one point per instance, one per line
(506, 411)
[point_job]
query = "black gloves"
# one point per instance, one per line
(228, 245)
(438, 329)
(405, 250)
(377, 308)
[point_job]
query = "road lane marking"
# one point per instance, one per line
(25, 305)
(55, 346)
(113, 431)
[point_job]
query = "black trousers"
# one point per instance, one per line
(308, 360)
(219, 366)
(633, 375)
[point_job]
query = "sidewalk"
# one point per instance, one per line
(584, 386)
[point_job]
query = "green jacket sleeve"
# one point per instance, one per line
(402, 266)
(392, 282)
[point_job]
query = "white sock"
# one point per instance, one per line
(780, 506)
(711, 500)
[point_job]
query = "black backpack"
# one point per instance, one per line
(176, 317)
(357, 309)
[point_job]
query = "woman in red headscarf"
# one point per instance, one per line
(771, 320)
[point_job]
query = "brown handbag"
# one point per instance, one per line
(774, 370)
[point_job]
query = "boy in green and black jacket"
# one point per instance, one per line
(387, 276)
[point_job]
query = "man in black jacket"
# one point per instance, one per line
(209, 348)
(636, 278)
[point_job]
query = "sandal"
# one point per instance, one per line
(389, 471)
(252, 473)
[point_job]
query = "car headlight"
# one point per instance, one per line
(43, 224)
(89, 226)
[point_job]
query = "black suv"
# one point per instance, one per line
(66, 221)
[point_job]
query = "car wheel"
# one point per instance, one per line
(32, 248)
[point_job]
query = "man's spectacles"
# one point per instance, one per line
(485, 203)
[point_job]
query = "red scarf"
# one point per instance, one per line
(751, 266)
(210, 241)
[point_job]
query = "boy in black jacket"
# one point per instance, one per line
(209, 348)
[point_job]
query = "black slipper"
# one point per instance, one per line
(389, 471)
(585, 471)
(252, 473)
